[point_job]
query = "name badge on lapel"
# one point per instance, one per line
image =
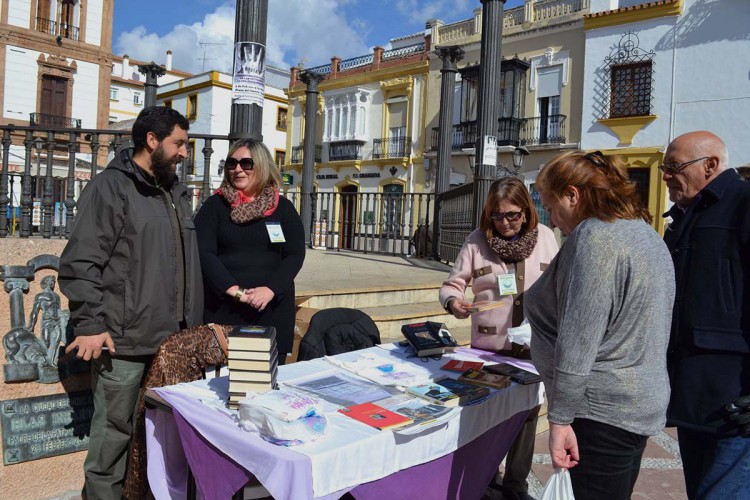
(507, 284)
(275, 232)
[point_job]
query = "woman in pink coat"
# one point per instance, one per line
(501, 260)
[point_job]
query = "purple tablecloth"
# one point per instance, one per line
(462, 474)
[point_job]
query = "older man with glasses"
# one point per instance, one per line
(709, 352)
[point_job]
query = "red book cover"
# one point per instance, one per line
(457, 365)
(376, 416)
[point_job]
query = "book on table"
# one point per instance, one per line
(376, 416)
(252, 338)
(448, 392)
(485, 379)
(515, 373)
(429, 338)
(252, 375)
(459, 365)
(251, 364)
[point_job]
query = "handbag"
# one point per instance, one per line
(559, 486)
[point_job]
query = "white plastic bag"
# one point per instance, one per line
(558, 487)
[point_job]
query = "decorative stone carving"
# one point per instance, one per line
(30, 357)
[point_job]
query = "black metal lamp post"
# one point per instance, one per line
(488, 105)
(307, 203)
(450, 56)
(249, 26)
(152, 72)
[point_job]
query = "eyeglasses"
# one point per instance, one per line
(246, 164)
(676, 168)
(509, 216)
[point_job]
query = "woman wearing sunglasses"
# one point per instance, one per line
(252, 245)
(501, 260)
(600, 319)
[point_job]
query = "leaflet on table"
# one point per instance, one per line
(343, 389)
(424, 414)
(384, 371)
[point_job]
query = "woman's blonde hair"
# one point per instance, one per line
(514, 190)
(606, 191)
(266, 173)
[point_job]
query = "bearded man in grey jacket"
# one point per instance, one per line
(132, 276)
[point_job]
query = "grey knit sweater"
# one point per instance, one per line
(600, 318)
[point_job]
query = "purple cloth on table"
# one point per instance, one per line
(464, 473)
(218, 477)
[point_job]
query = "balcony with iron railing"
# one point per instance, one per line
(391, 147)
(53, 121)
(51, 27)
(511, 132)
(345, 150)
(298, 153)
(539, 130)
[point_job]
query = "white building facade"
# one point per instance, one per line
(206, 100)
(655, 70)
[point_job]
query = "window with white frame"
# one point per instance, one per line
(138, 98)
(113, 94)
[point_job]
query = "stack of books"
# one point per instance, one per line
(253, 361)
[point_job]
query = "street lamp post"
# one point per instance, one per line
(250, 26)
(152, 71)
(307, 203)
(450, 56)
(488, 104)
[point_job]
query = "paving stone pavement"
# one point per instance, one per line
(660, 477)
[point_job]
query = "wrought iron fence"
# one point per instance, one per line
(403, 51)
(385, 223)
(456, 220)
(391, 147)
(51, 27)
(45, 169)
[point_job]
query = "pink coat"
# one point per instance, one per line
(474, 259)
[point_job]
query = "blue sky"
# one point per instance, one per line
(311, 31)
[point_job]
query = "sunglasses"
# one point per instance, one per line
(509, 216)
(246, 164)
(676, 168)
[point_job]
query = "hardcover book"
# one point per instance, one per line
(251, 364)
(457, 365)
(448, 392)
(252, 338)
(429, 338)
(515, 373)
(252, 375)
(486, 379)
(376, 416)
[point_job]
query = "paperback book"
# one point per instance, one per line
(458, 365)
(376, 416)
(485, 379)
(515, 373)
(429, 338)
(448, 392)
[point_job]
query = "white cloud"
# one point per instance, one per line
(420, 11)
(297, 30)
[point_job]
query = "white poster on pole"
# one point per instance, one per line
(489, 150)
(248, 82)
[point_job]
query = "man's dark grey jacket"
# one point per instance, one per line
(119, 269)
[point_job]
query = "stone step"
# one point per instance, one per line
(359, 298)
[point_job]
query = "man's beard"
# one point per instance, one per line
(163, 168)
